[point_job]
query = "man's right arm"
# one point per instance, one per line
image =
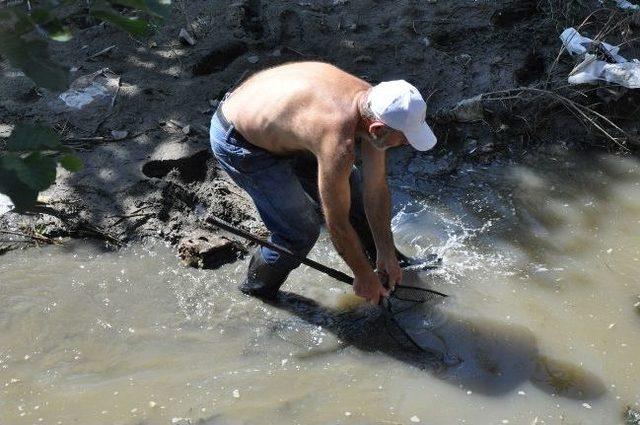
(334, 169)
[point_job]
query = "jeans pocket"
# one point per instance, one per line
(241, 156)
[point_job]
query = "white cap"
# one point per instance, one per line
(400, 106)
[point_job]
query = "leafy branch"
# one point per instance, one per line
(28, 164)
(27, 28)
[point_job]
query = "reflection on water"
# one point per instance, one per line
(542, 262)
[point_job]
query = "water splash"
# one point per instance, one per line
(453, 239)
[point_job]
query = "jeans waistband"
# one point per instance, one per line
(226, 125)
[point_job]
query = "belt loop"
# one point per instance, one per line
(223, 120)
(229, 131)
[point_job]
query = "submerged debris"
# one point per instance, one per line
(632, 416)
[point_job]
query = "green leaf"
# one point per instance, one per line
(23, 23)
(49, 25)
(32, 58)
(39, 15)
(36, 171)
(21, 195)
(32, 137)
(71, 163)
(5, 15)
(63, 35)
(132, 25)
(42, 171)
(57, 31)
(158, 8)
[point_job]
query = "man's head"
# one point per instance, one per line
(395, 113)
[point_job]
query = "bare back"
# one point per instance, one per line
(295, 107)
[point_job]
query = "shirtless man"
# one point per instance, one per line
(288, 136)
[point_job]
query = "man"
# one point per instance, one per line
(288, 136)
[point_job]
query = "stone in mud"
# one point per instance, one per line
(5, 130)
(467, 110)
(363, 59)
(206, 251)
(186, 38)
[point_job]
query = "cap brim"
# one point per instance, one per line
(421, 137)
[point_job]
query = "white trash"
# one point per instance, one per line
(80, 98)
(624, 4)
(591, 70)
(88, 88)
(577, 44)
(6, 204)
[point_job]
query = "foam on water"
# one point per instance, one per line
(456, 244)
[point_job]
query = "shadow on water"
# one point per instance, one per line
(485, 356)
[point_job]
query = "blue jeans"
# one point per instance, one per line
(284, 190)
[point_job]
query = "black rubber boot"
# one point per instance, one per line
(263, 280)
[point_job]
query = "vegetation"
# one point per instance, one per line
(27, 29)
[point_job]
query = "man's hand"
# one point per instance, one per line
(368, 286)
(389, 267)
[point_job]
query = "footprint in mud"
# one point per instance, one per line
(219, 57)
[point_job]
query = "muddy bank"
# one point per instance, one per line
(148, 169)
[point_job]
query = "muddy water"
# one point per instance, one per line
(542, 327)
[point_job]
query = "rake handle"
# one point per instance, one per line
(336, 274)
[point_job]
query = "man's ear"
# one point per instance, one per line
(376, 128)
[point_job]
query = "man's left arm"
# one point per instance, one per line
(377, 203)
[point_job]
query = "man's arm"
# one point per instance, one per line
(334, 168)
(377, 204)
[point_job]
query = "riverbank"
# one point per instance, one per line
(148, 169)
